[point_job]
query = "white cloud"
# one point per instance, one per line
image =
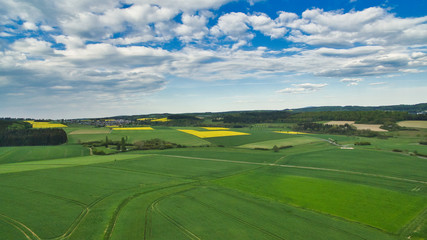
(86, 53)
(59, 87)
(46, 28)
(29, 26)
(193, 27)
(377, 83)
(263, 23)
(351, 81)
(32, 47)
(233, 25)
(303, 88)
(371, 26)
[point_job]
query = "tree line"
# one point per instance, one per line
(367, 117)
(32, 137)
(20, 133)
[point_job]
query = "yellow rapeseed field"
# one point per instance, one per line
(46, 124)
(134, 128)
(210, 134)
(290, 132)
(215, 128)
(154, 119)
(160, 120)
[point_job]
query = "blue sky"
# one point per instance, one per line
(98, 58)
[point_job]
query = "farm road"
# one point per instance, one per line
(299, 167)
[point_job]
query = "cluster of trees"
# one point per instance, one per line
(13, 124)
(256, 117)
(367, 117)
(333, 129)
(184, 120)
(155, 144)
(20, 133)
(32, 137)
(370, 117)
(122, 145)
(413, 109)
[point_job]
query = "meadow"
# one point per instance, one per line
(217, 187)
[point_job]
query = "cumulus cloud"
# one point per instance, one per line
(371, 26)
(29, 26)
(105, 46)
(233, 25)
(351, 81)
(193, 27)
(377, 83)
(261, 22)
(62, 87)
(303, 88)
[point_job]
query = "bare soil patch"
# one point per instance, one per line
(372, 127)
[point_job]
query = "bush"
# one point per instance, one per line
(155, 144)
(98, 152)
(362, 143)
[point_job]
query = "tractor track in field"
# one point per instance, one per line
(28, 233)
(181, 227)
(414, 225)
(153, 207)
(299, 167)
(139, 172)
(77, 220)
(310, 220)
(273, 235)
(113, 221)
(73, 227)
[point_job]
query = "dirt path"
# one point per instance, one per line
(300, 167)
(153, 207)
(29, 234)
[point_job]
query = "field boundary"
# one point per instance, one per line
(153, 207)
(29, 234)
(113, 220)
(236, 218)
(300, 167)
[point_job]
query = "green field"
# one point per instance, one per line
(164, 133)
(413, 124)
(384, 209)
(292, 141)
(216, 188)
(23, 154)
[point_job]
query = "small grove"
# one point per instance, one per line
(110, 147)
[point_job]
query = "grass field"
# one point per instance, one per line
(413, 124)
(23, 154)
(164, 133)
(281, 142)
(375, 207)
(215, 188)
